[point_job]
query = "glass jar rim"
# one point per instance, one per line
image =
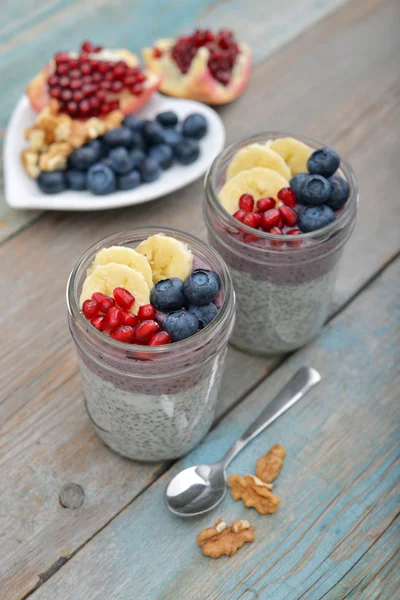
(200, 338)
(345, 167)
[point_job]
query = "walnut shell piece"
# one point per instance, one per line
(254, 493)
(269, 466)
(222, 539)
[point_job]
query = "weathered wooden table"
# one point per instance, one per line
(336, 534)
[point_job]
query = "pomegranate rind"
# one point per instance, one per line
(198, 83)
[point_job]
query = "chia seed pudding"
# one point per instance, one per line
(152, 403)
(283, 282)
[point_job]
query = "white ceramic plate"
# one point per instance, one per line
(22, 192)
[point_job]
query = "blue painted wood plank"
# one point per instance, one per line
(339, 485)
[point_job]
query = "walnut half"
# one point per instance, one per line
(254, 493)
(222, 539)
(269, 466)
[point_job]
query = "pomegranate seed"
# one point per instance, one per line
(294, 232)
(72, 108)
(147, 312)
(160, 338)
(123, 333)
(116, 86)
(129, 80)
(62, 69)
(145, 330)
(64, 82)
(249, 237)
(106, 303)
(99, 322)
(246, 202)
(103, 67)
(114, 105)
(287, 196)
(75, 74)
(141, 77)
(264, 204)
(75, 84)
(86, 68)
(77, 96)
(87, 46)
(105, 108)
(61, 57)
(280, 222)
(100, 95)
(129, 319)
(123, 298)
(94, 103)
(52, 81)
(84, 107)
(113, 318)
(252, 219)
(270, 219)
(66, 95)
(276, 231)
(137, 89)
(96, 78)
(109, 76)
(239, 214)
(73, 63)
(55, 93)
(157, 53)
(98, 296)
(105, 85)
(90, 308)
(288, 215)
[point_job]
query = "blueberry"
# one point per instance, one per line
(130, 181)
(98, 148)
(187, 151)
(149, 170)
(340, 192)
(311, 218)
(181, 324)
(133, 123)
(315, 190)
(195, 126)
(323, 162)
(83, 158)
(76, 180)
(101, 179)
(205, 314)
(296, 184)
(153, 133)
(138, 141)
(138, 156)
(121, 160)
(172, 137)
(167, 118)
(120, 136)
(168, 294)
(201, 287)
(52, 182)
(162, 154)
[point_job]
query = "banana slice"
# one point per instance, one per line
(167, 256)
(257, 155)
(105, 278)
(294, 153)
(124, 256)
(259, 182)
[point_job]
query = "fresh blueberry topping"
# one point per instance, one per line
(205, 313)
(121, 160)
(187, 151)
(296, 184)
(149, 170)
(195, 126)
(311, 218)
(181, 324)
(162, 154)
(168, 294)
(130, 181)
(323, 162)
(138, 142)
(101, 179)
(340, 192)
(120, 136)
(83, 158)
(153, 133)
(133, 123)
(172, 137)
(167, 118)
(52, 182)
(201, 286)
(315, 190)
(138, 156)
(98, 147)
(76, 180)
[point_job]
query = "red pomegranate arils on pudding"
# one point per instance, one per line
(124, 333)
(145, 330)
(99, 322)
(288, 215)
(239, 214)
(252, 219)
(270, 219)
(98, 296)
(123, 298)
(264, 204)
(249, 237)
(287, 196)
(129, 319)
(113, 318)
(90, 308)
(276, 231)
(157, 53)
(246, 202)
(160, 338)
(147, 312)
(106, 303)
(294, 232)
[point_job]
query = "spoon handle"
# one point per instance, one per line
(296, 388)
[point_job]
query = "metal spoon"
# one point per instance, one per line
(196, 490)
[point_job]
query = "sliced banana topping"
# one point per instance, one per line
(293, 152)
(167, 256)
(124, 256)
(259, 182)
(257, 155)
(105, 278)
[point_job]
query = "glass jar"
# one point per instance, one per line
(283, 283)
(152, 403)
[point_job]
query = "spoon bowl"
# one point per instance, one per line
(196, 490)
